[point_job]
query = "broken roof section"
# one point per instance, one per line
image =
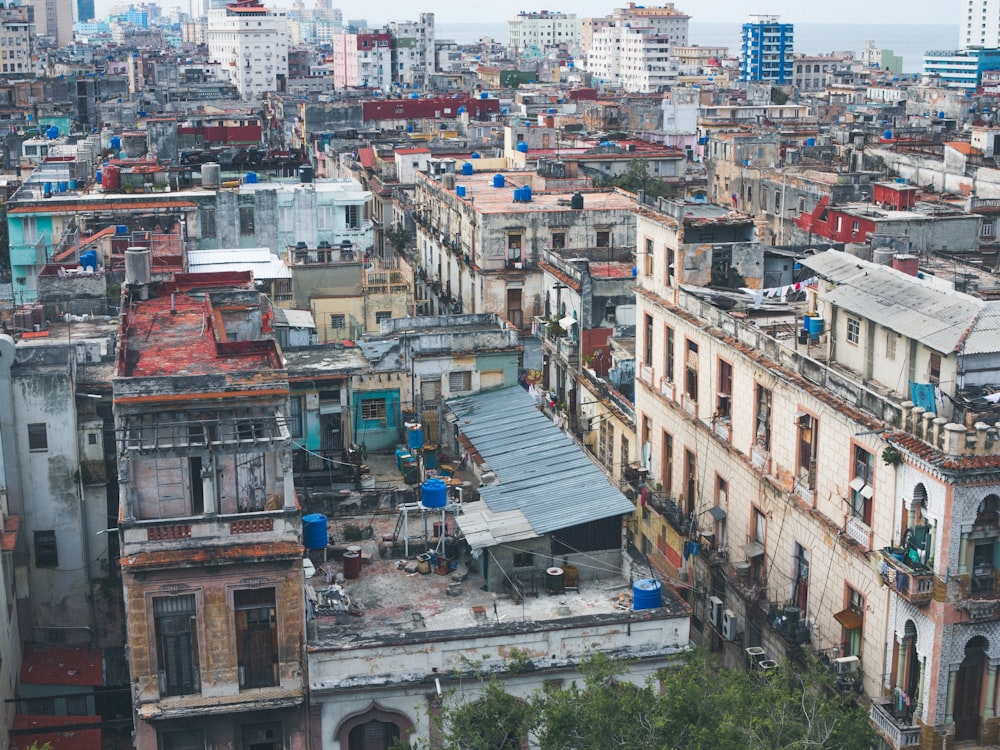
(545, 480)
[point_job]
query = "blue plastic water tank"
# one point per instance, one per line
(314, 534)
(941, 115)
(466, 168)
(522, 147)
(47, 188)
(526, 194)
(414, 436)
(414, 96)
(484, 95)
(498, 181)
(814, 326)
(475, 155)
(63, 186)
(409, 128)
(99, 175)
(887, 135)
(251, 178)
(460, 191)
(461, 110)
(116, 142)
(518, 195)
(72, 184)
(401, 454)
(810, 141)
(88, 259)
(121, 229)
(434, 493)
(646, 594)
(52, 132)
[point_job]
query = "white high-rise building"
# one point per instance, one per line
(637, 59)
(980, 24)
(535, 33)
(251, 43)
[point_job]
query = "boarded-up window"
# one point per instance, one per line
(430, 390)
(459, 381)
(256, 638)
(170, 488)
(490, 379)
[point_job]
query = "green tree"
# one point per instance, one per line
(693, 705)
(399, 238)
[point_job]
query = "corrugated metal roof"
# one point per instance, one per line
(260, 260)
(542, 473)
(942, 319)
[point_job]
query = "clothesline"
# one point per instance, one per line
(759, 295)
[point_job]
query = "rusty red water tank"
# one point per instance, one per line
(111, 177)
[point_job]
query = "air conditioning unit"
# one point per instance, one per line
(846, 665)
(729, 625)
(755, 655)
(715, 611)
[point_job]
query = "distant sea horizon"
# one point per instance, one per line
(909, 41)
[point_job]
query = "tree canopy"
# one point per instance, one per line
(692, 706)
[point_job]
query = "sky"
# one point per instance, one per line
(713, 11)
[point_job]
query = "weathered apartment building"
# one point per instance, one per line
(480, 237)
(816, 461)
(209, 526)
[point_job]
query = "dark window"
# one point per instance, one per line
(862, 485)
(38, 438)
(174, 619)
(604, 238)
(372, 408)
(374, 735)
(558, 240)
(762, 436)
(338, 320)
(671, 264)
(725, 391)
(46, 552)
(208, 222)
(667, 469)
(690, 482)
(691, 371)
(935, 373)
(184, 739)
(351, 217)
(523, 560)
(668, 364)
(256, 637)
(381, 315)
(76, 705)
(295, 416)
(647, 341)
(41, 706)
(246, 220)
(808, 435)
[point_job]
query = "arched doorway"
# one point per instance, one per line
(375, 728)
(969, 690)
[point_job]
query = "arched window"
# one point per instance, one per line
(375, 728)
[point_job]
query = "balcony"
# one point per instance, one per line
(858, 531)
(915, 584)
(896, 733)
(567, 349)
(200, 531)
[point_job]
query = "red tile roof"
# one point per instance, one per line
(63, 666)
(54, 730)
(367, 157)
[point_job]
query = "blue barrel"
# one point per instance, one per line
(88, 259)
(887, 135)
(498, 181)
(414, 436)
(522, 147)
(466, 168)
(116, 142)
(99, 175)
(460, 191)
(461, 110)
(401, 453)
(72, 184)
(475, 155)
(434, 493)
(814, 326)
(646, 594)
(121, 229)
(314, 531)
(251, 178)
(810, 141)
(63, 186)
(484, 95)
(409, 128)
(518, 195)
(47, 187)
(526, 194)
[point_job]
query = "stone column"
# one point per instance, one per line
(949, 700)
(963, 551)
(989, 710)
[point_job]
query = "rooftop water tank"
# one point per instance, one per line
(314, 534)
(466, 168)
(116, 142)
(522, 147)
(460, 191)
(434, 493)
(498, 181)
(646, 594)
(251, 178)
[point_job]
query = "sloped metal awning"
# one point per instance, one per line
(752, 550)
(851, 619)
(717, 513)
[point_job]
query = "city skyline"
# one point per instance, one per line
(853, 11)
